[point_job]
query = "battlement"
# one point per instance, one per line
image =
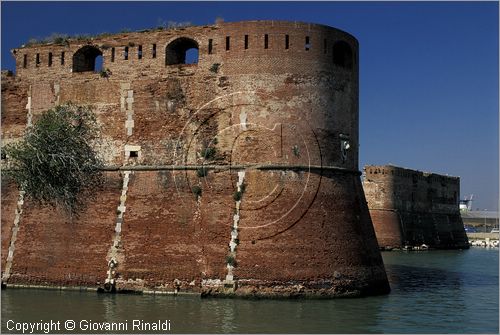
(374, 172)
(395, 187)
(155, 51)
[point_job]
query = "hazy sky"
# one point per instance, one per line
(428, 70)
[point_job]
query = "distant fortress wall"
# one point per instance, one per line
(412, 208)
(279, 209)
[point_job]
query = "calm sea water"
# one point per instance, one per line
(432, 292)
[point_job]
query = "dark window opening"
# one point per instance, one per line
(287, 41)
(307, 45)
(182, 51)
(25, 61)
(125, 53)
(266, 41)
(62, 58)
(139, 52)
(50, 58)
(210, 46)
(246, 41)
(154, 51)
(37, 62)
(85, 59)
(342, 55)
(325, 46)
(227, 42)
(112, 54)
(134, 154)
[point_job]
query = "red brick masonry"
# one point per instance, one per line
(280, 121)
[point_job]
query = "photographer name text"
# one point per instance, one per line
(47, 327)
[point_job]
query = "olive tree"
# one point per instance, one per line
(55, 162)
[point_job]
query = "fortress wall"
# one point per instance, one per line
(169, 235)
(313, 123)
(158, 130)
(302, 237)
(171, 240)
(53, 249)
(388, 227)
(10, 196)
(410, 207)
(14, 102)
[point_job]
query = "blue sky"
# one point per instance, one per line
(428, 70)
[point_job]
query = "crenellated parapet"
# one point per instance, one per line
(296, 46)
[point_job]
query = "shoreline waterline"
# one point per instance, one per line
(432, 292)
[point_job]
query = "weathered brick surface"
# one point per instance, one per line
(53, 249)
(288, 107)
(295, 236)
(10, 195)
(387, 225)
(14, 100)
(169, 234)
(410, 207)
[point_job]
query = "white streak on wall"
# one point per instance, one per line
(113, 254)
(13, 238)
(28, 107)
(234, 231)
(127, 106)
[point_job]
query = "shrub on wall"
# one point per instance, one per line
(215, 67)
(55, 162)
(231, 260)
(202, 172)
(196, 191)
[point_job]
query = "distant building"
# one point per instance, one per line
(411, 208)
(482, 221)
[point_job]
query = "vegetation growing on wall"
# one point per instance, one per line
(202, 172)
(105, 73)
(55, 162)
(215, 67)
(209, 151)
(196, 191)
(231, 260)
(56, 38)
(166, 25)
(239, 194)
(63, 39)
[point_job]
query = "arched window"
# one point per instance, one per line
(85, 59)
(342, 55)
(181, 51)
